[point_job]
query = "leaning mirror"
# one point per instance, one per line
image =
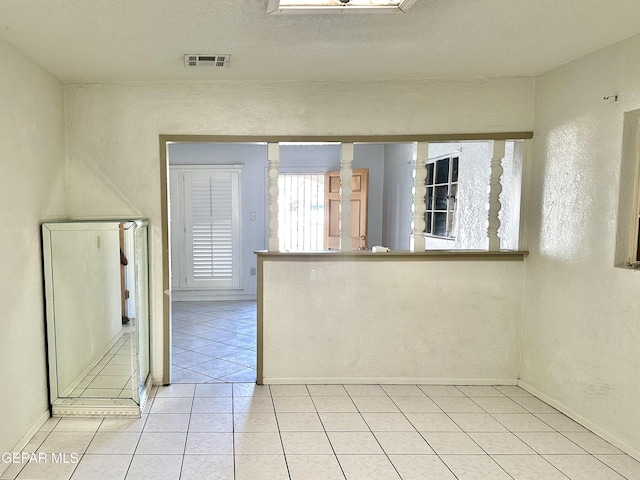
(97, 304)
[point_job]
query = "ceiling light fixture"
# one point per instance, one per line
(339, 6)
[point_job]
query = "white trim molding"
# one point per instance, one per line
(388, 381)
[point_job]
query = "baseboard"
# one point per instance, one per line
(29, 435)
(73, 410)
(388, 381)
(205, 295)
(601, 432)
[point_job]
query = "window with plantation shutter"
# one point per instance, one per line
(210, 227)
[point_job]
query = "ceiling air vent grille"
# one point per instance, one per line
(216, 60)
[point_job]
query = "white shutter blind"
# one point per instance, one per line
(212, 228)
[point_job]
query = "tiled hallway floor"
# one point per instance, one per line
(322, 432)
(213, 342)
(112, 375)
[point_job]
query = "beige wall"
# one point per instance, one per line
(581, 333)
(112, 132)
(391, 320)
(32, 183)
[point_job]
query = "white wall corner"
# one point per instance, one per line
(588, 424)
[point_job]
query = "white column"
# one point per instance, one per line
(419, 190)
(346, 172)
(496, 153)
(273, 157)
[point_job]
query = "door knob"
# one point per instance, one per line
(364, 243)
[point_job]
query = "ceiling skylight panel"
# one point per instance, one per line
(338, 6)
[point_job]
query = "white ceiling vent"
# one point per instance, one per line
(215, 60)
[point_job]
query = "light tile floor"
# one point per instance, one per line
(111, 377)
(323, 432)
(213, 342)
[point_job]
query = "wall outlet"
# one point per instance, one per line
(252, 271)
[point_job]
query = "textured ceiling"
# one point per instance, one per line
(114, 40)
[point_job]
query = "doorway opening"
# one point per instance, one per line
(213, 324)
(213, 341)
(217, 205)
(389, 162)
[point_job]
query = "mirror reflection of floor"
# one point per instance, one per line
(111, 376)
(213, 342)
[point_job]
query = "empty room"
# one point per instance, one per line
(320, 239)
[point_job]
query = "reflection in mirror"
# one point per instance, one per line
(96, 277)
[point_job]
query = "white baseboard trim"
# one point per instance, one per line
(601, 432)
(29, 435)
(388, 381)
(203, 296)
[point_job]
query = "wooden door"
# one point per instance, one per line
(359, 200)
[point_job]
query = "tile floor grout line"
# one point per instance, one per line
(474, 441)
(378, 441)
(508, 430)
(326, 434)
(467, 434)
(86, 448)
(594, 455)
(284, 453)
(427, 441)
(133, 456)
(233, 430)
(186, 437)
(24, 465)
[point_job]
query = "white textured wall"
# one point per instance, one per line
(581, 332)
(473, 195)
(32, 180)
(112, 131)
(391, 321)
(472, 215)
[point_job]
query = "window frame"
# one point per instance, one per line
(627, 250)
(450, 223)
